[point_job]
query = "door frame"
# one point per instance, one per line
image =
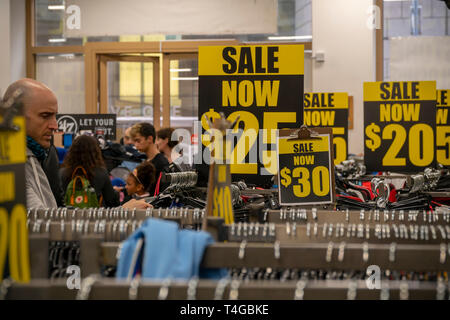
(103, 60)
(97, 54)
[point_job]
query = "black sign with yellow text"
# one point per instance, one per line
(263, 86)
(14, 255)
(443, 127)
(399, 125)
(329, 110)
(306, 169)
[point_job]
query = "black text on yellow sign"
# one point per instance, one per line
(305, 171)
(261, 84)
(7, 181)
(399, 125)
(443, 127)
(329, 109)
(13, 228)
(222, 200)
(12, 144)
(13, 218)
(14, 243)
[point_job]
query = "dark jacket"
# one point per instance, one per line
(100, 182)
(49, 165)
(160, 162)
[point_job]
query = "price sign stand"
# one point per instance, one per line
(14, 253)
(219, 201)
(443, 128)
(263, 85)
(306, 168)
(399, 125)
(329, 110)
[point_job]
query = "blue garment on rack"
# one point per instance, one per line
(168, 252)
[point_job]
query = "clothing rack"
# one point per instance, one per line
(291, 232)
(351, 256)
(90, 234)
(296, 232)
(186, 216)
(185, 179)
(94, 288)
(439, 216)
(100, 238)
(305, 239)
(300, 215)
(95, 253)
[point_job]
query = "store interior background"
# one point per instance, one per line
(338, 28)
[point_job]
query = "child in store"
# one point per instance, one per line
(140, 180)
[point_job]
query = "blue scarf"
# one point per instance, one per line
(37, 149)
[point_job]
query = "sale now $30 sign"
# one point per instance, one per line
(306, 175)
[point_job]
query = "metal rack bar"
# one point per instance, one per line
(328, 216)
(186, 216)
(115, 230)
(438, 194)
(420, 258)
(251, 290)
(291, 232)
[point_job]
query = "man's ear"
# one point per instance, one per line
(151, 139)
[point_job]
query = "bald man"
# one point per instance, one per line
(40, 109)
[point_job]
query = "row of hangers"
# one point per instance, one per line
(95, 287)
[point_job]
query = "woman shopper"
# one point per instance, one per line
(167, 143)
(85, 152)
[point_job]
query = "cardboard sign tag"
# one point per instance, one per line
(306, 169)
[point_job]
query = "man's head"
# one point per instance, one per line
(40, 109)
(143, 135)
(127, 137)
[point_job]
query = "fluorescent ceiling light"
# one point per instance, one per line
(308, 51)
(67, 55)
(396, 0)
(51, 57)
(57, 40)
(184, 78)
(290, 38)
(61, 7)
(181, 70)
(140, 119)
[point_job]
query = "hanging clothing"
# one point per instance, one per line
(50, 166)
(37, 188)
(168, 252)
(160, 162)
